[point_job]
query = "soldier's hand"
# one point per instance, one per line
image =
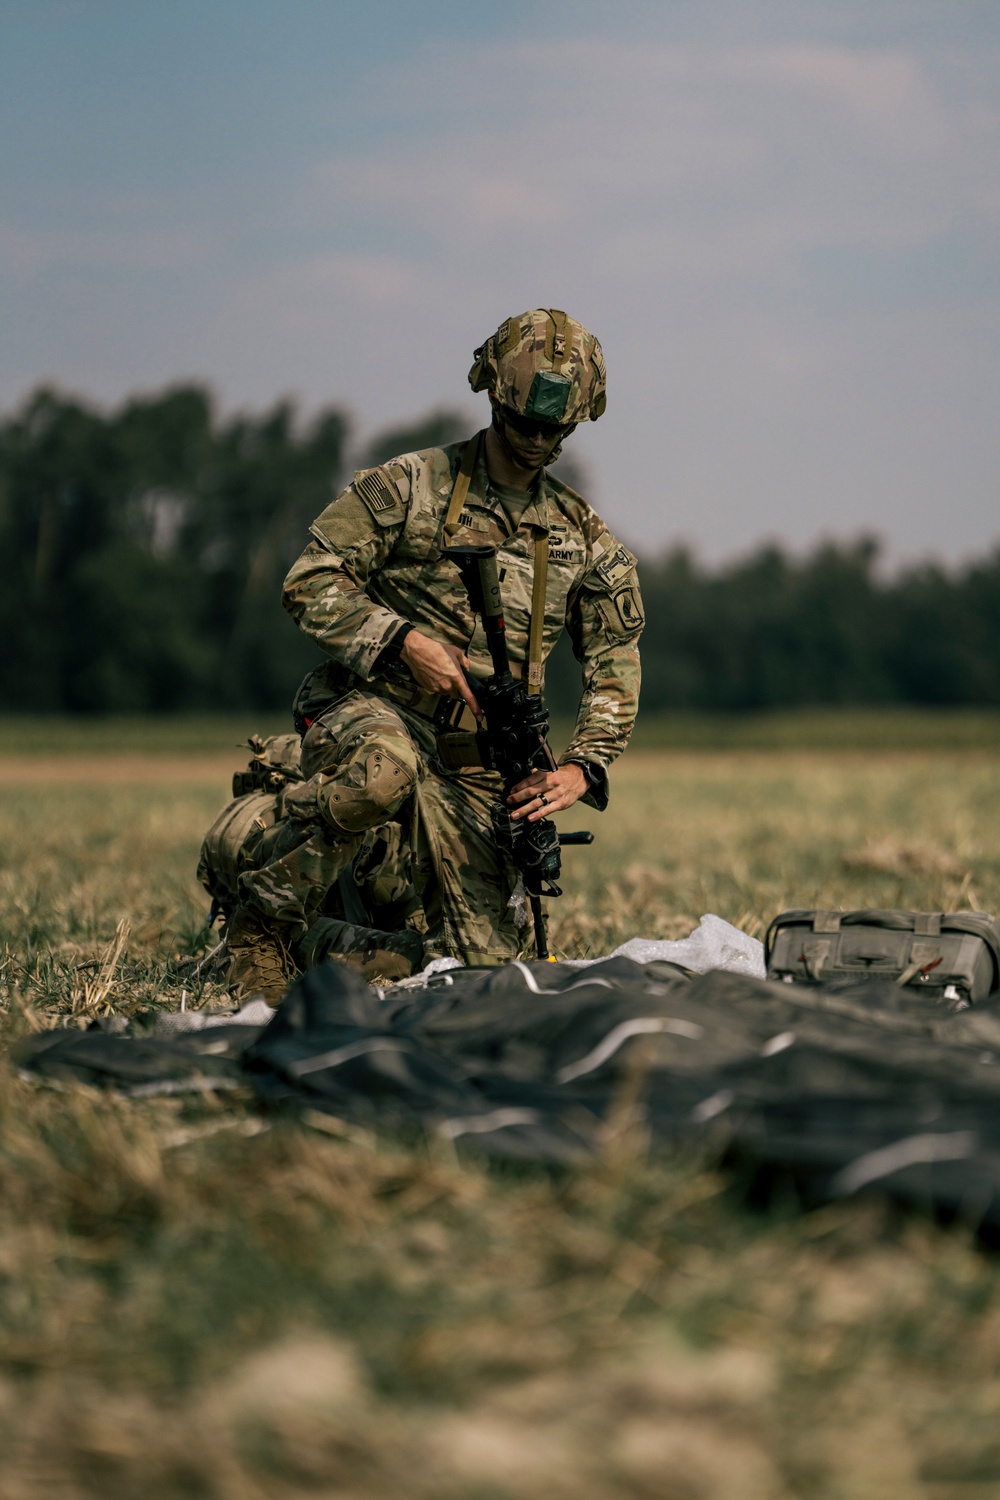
(438, 668)
(545, 792)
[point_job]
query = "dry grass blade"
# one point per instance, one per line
(211, 961)
(93, 994)
(191, 1304)
(898, 857)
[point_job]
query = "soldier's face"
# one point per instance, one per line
(532, 442)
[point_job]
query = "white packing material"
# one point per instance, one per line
(255, 1012)
(714, 944)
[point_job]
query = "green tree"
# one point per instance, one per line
(143, 551)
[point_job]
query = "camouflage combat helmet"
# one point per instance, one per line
(545, 365)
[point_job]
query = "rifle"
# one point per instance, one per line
(514, 741)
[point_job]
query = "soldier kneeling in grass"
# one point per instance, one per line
(378, 845)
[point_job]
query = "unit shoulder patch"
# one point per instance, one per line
(622, 611)
(628, 607)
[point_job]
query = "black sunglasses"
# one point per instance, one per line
(529, 426)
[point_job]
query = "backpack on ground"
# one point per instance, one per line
(954, 956)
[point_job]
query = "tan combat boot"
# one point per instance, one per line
(259, 959)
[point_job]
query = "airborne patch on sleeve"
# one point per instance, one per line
(380, 495)
(626, 603)
(622, 611)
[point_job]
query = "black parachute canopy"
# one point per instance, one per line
(844, 1087)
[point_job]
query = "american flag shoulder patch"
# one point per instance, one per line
(379, 494)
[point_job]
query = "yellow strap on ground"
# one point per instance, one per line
(462, 480)
(537, 615)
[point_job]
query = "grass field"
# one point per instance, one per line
(195, 1301)
(815, 729)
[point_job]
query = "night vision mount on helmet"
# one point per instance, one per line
(543, 364)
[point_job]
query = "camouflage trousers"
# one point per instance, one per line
(366, 761)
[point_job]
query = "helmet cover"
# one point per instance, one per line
(544, 365)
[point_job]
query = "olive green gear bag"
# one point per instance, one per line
(238, 838)
(243, 834)
(951, 956)
(235, 843)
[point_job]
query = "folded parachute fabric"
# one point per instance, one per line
(139, 1064)
(840, 1088)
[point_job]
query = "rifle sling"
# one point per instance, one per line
(463, 479)
(538, 581)
(470, 458)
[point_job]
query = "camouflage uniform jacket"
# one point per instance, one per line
(375, 563)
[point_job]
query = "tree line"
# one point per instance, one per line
(142, 552)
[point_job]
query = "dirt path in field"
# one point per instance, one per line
(136, 767)
(129, 769)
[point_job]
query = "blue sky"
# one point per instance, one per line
(781, 219)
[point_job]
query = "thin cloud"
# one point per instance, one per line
(35, 251)
(787, 249)
(734, 156)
